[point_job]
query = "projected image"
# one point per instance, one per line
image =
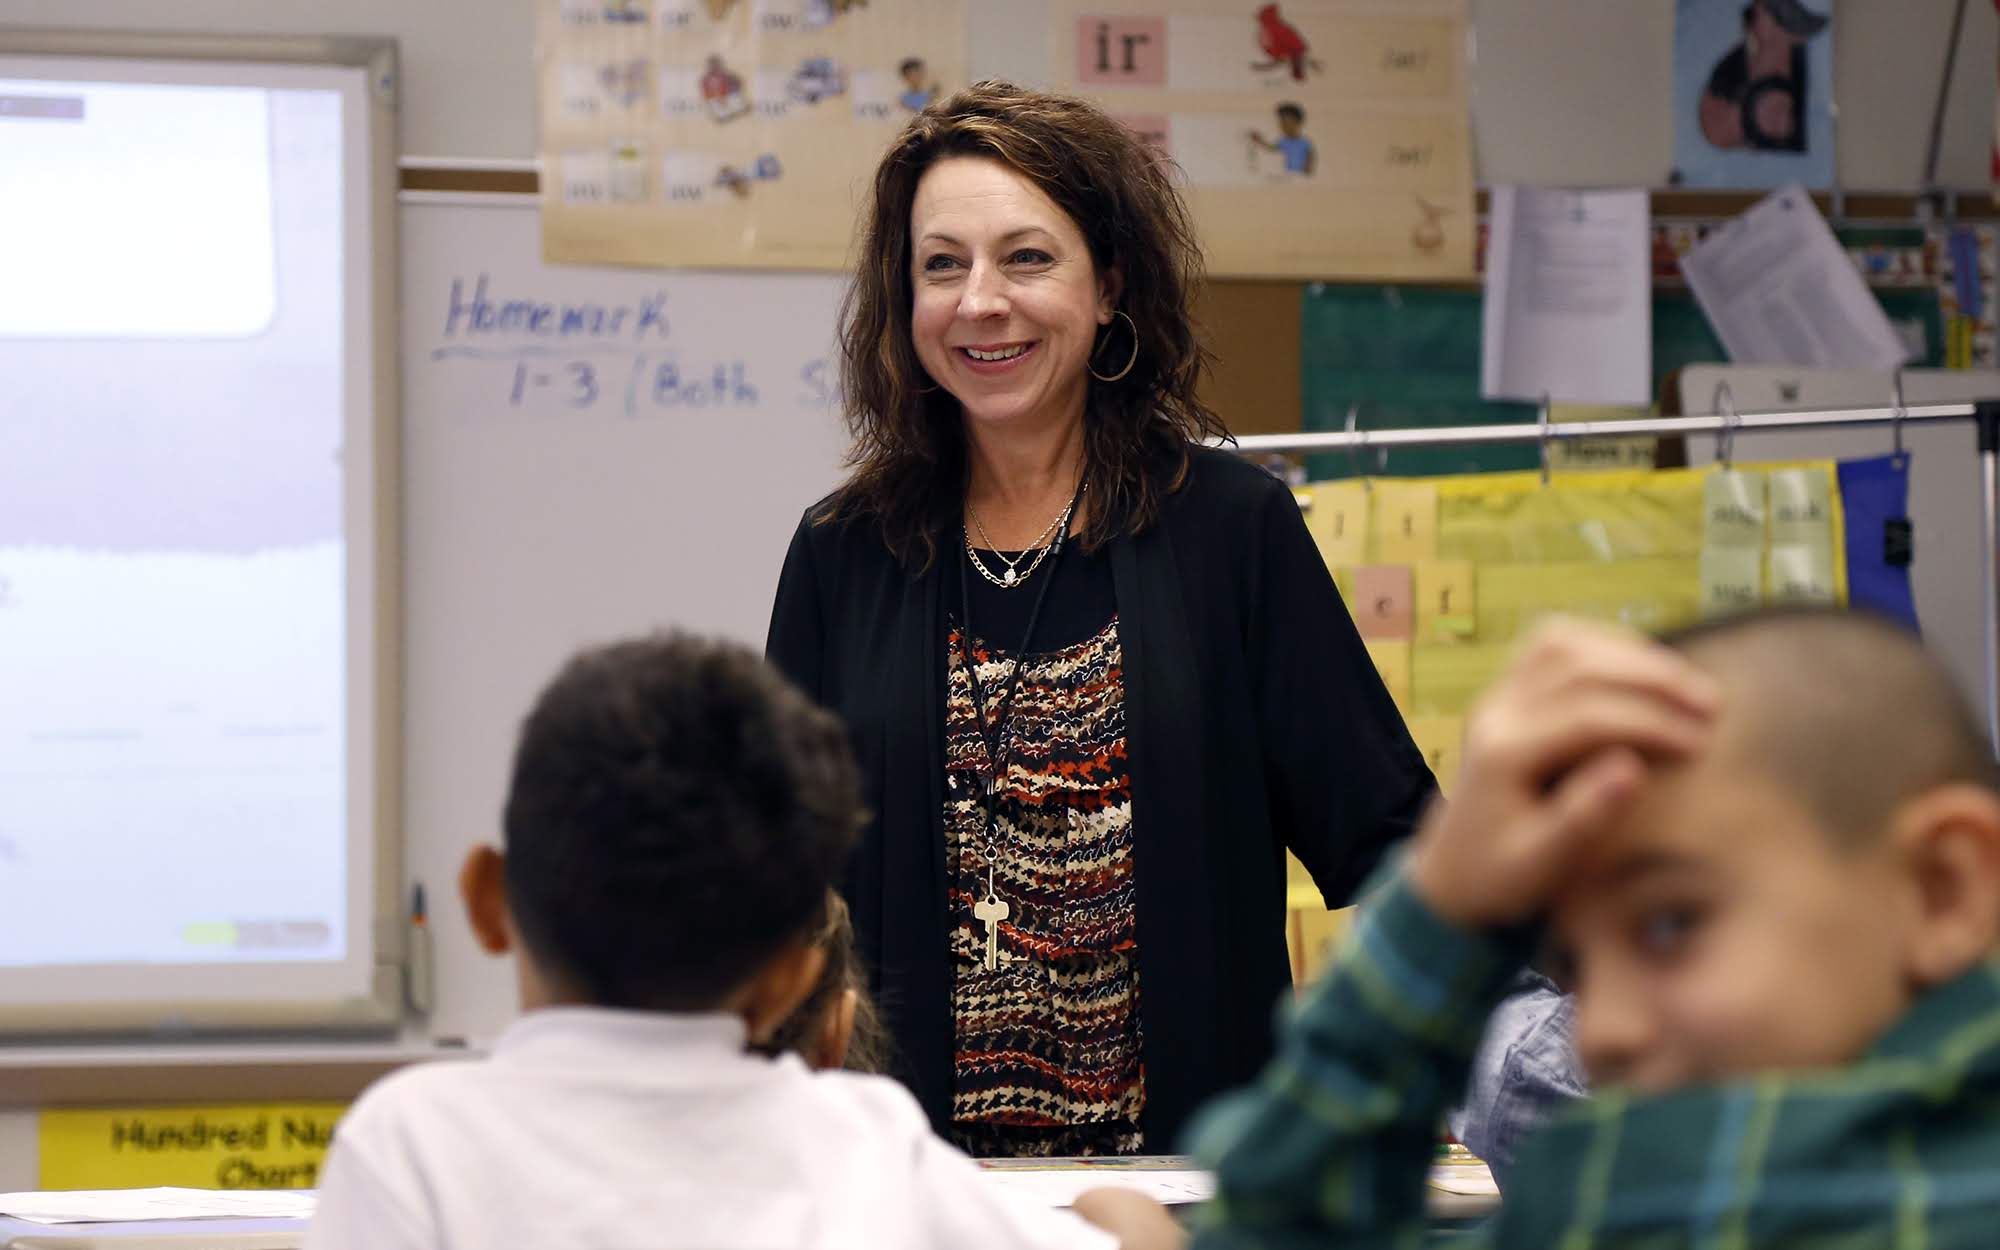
(173, 763)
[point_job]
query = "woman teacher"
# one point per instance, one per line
(1097, 675)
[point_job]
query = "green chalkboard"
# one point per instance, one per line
(1408, 356)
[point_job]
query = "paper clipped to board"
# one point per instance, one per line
(1780, 290)
(1060, 1187)
(1569, 307)
(115, 1206)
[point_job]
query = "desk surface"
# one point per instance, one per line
(1461, 1187)
(154, 1235)
(1445, 1206)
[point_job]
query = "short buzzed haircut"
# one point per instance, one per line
(677, 814)
(1845, 709)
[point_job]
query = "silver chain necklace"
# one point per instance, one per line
(1041, 539)
(1015, 575)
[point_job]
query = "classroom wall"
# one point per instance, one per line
(1567, 91)
(17, 1151)
(1580, 91)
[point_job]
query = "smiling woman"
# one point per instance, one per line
(1007, 303)
(1097, 676)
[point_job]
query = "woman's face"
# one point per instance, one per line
(1005, 300)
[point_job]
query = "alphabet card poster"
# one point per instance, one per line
(1318, 138)
(727, 132)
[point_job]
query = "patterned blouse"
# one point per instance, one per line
(1047, 1058)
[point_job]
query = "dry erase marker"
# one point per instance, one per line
(420, 953)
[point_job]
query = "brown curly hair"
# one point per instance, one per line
(868, 1046)
(908, 454)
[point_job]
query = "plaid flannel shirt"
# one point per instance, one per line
(1331, 1147)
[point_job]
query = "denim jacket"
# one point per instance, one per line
(1525, 1072)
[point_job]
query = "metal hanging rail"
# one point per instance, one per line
(1719, 423)
(1985, 416)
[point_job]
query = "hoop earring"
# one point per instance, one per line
(1117, 312)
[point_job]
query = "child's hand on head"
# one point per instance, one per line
(1553, 751)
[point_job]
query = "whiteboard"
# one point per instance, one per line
(589, 454)
(191, 759)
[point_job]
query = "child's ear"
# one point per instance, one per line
(778, 988)
(836, 1032)
(1950, 840)
(482, 884)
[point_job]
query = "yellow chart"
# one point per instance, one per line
(1443, 575)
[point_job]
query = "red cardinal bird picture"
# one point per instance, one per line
(1283, 44)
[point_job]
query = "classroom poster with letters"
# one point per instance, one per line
(1753, 93)
(727, 132)
(1317, 138)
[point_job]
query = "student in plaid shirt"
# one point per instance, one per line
(1769, 853)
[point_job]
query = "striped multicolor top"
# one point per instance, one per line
(1048, 1042)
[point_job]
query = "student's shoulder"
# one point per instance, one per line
(876, 1102)
(881, 1125)
(949, 1190)
(414, 1095)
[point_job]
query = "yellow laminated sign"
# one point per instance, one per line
(1393, 661)
(235, 1146)
(1439, 738)
(1732, 580)
(1445, 677)
(1802, 560)
(1406, 520)
(1735, 505)
(1595, 454)
(1316, 937)
(1601, 517)
(1446, 595)
(1635, 547)
(1463, 566)
(1338, 517)
(1651, 594)
(1379, 599)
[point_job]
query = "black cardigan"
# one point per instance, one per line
(1255, 722)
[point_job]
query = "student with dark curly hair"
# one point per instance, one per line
(676, 813)
(1097, 675)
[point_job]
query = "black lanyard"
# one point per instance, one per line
(995, 738)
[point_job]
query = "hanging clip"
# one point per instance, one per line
(1896, 419)
(1354, 448)
(1725, 439)
(1542, 436)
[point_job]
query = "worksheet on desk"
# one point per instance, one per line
(173, 756)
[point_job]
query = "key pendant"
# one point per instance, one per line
(990, 911)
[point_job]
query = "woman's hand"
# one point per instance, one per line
(1554, 751)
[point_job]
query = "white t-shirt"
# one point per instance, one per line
(622, 1130)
